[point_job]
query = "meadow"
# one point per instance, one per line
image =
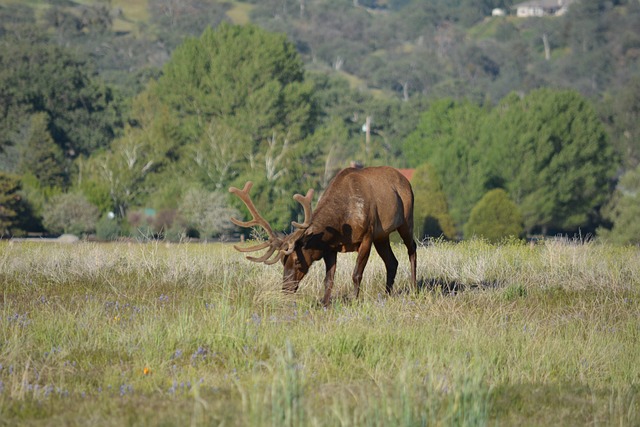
(193, 334)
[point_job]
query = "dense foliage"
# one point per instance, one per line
(495, 217)
(623, 211)
(431, 212)
(547, 149)
(133, 105)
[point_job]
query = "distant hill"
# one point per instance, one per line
(403, 48)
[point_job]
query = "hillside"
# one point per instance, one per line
(406, 48)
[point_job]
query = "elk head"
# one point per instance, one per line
(284, 248)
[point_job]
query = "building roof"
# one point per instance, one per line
(408, 173)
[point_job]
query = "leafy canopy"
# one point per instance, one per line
(38, 76)
(547, 149)
(553, 156)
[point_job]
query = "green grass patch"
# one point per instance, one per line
(175, 334)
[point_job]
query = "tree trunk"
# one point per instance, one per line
(547, 48)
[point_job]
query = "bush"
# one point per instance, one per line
(207, 213)
(431, 212)
(70, 213)
(108, 228)
(495, 217)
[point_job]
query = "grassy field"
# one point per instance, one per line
(159, 334)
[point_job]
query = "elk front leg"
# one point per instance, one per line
(361, 263)
(330, 261)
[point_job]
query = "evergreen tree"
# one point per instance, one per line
(447, 138)
(41, 156)
(552, 154)
(38, 76)
(10, 201)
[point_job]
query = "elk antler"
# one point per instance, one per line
(257, 218)
(274, 241)
(306, 204)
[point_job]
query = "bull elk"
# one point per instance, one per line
(360, 208)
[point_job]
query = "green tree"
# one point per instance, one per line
(550, 151)
(70, 213)
(10, 203)
(40, 155)
(250, 79)
(447, 138)
(238, 107)
(623, 211)
(39, 76)
(431, 213)
(622, 118)
(494, 218)
(124, 171)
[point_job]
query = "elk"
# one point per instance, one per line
(359, 209)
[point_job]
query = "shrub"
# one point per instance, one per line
(206, 212)
(431, 212)
(70, 213)
(495, 217)
(108, 228)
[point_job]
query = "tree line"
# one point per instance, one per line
(237, 103)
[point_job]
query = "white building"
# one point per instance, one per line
(542, 8)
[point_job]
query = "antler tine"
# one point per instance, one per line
(275, 259)
(257, 218)
(265, 258)
(306, 204)
(252, 248)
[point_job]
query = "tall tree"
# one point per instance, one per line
(10, 201)
(37, 76)
(447, 138)
(40, 156)
(234, 106)
(552, 154)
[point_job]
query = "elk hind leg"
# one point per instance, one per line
(406, 233)
(383, 247)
